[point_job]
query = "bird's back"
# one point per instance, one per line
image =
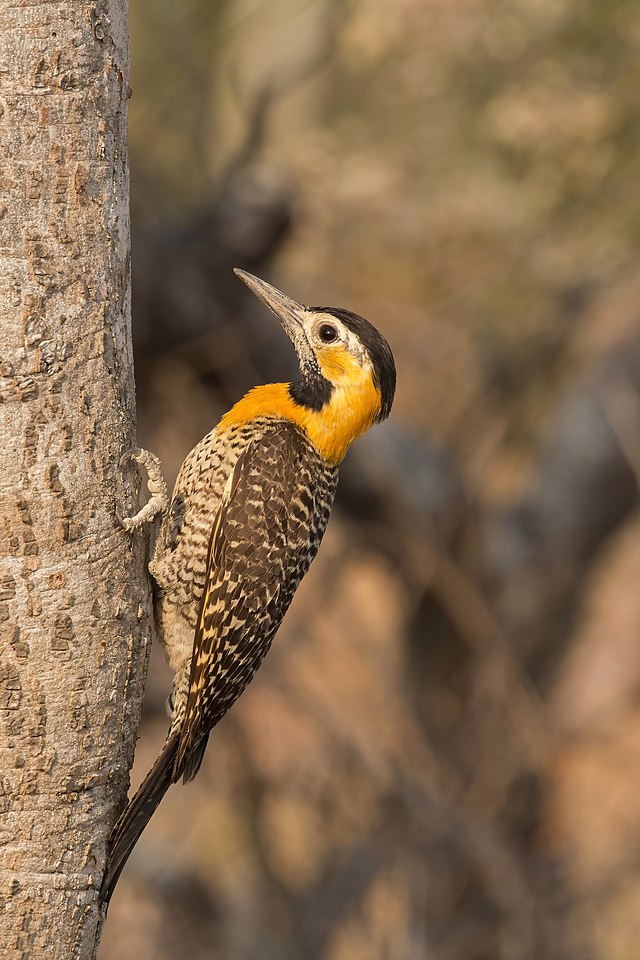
(268, 528)
(267, 525)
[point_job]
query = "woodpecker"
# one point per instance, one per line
(248, 512)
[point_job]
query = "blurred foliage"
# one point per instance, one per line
(439, 758)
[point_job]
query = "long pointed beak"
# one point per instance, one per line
(288, 311)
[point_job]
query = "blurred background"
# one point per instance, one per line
(440, 758)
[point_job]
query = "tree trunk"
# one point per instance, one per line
(73, 591)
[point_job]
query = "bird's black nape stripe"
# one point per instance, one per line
(313, 392)
(384, 368)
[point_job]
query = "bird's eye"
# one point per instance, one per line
(328, 333)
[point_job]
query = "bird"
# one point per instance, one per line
(248, 511)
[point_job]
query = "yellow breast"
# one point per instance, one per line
(352, 409)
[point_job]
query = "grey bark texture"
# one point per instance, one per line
(74, 603)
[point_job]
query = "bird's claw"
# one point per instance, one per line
(159, 500)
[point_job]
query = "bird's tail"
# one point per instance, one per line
(137, 814)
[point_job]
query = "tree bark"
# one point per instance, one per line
(73, 591)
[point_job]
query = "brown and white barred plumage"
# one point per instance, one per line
(265, 535)
(248, 512)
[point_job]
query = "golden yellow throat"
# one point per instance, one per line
(351, 411)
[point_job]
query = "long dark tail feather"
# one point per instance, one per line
(192, 761)
(136, 816)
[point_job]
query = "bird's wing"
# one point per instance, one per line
(264, 536)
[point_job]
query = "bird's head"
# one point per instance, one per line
(348, 372)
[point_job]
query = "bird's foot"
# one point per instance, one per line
(159, 501)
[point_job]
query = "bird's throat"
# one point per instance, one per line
(347, 415)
